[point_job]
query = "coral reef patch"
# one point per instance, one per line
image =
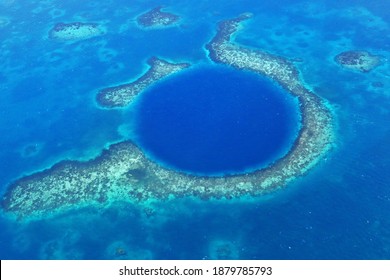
(156, 18)
(358, 60)
(75, 31)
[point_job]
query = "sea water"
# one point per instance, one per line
(339, 210)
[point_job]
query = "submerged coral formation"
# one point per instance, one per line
(123, 173)
(31, 150)
(75, 31)
(156, 18)
(358, 60)
(122, 95)
(4, 21)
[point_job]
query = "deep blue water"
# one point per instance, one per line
(339, 210)
(216, 120)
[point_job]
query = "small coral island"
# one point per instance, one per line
(358, 60)
(122, 95)
(156, 18)
(75, 31)
(123, 173)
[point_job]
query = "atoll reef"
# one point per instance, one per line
(122, 95)
(75, 31)
(123, 173)
(156, 18)
(358, 60)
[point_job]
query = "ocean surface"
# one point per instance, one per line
(338, 210)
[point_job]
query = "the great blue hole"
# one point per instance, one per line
(215, 121)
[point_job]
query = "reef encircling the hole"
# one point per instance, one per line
(123, 173)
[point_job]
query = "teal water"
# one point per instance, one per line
(216, 120)
(339, 210)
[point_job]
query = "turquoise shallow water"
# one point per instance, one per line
(339, 210)
(215, 120)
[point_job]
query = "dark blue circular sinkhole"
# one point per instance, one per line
(216, 120)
